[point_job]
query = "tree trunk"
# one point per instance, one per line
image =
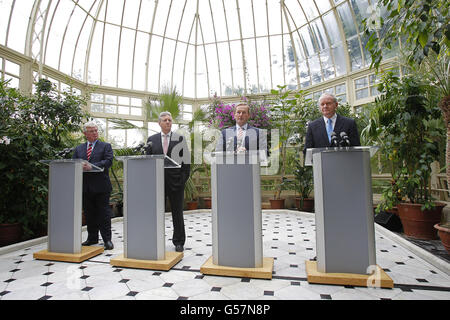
(445, 107)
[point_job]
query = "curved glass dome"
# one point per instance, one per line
(199, 47)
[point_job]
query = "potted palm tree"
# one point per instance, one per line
(411, 131)
(304, 185)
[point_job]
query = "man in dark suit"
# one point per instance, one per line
(242, 136)
(96, 185)
(174, 146)
(318, 134)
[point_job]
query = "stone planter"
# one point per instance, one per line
(277, 203)
(308, 204)
(417, 223)
(192, 205)
(10, 233)
(207, 203)
(444, 234)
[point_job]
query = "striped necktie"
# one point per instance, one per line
(89, 151)
(240, 136)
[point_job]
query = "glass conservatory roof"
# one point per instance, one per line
(199, 47)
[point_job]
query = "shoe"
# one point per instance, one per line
(109, 245)
(89, 242)
(179, 248)
(313, 259)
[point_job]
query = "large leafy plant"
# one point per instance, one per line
(36, 127)
(406, 121)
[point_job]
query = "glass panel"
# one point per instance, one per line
(110, 108)
(153, 63)
(136, 111)
(13, 81)
(124, 100)
(162, 12)
(347, 20)
(374, 91)
(232, 20)
(319, 34)
(135, 136)
(219, 21)
(263, 64)
(360, 9)
(110, 52)
(332, 27)
(327, 65)
(213, 69)
(18, 29)
(355, 53)
(290, 68)
(361, 83)
(124, 110)
(360, 94)
(80, 51)
(274, 17)
(95, 107)
(206, 22)
(309, 8)
(342, 98)
(189, 76)
(5, 11)
(340, 60)
(305, 79)
(167, 63)
(225, 67)
(308, 43)
(238, 71)
(277, 60)
(251, 66)
(145, 20)
(73, 30)
(246, 15)
(110, 99)
(314, 65)
(136, 102)
(130, 14)
(295, 13)
(202, 81)
(178, 67)
(323, 5)
(12, 68)
(140, 61)
(97, 97)
(125, 59)
(260, 10)
(114, 11)
(341, 89)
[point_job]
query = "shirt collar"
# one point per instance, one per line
(244, 127)
(333, 118)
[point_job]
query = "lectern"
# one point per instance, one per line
(64, 212)
(345, 232)
(236, 217)
(143, 215)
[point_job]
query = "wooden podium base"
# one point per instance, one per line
(87, 252)
(171, 259)
(381, 280)
(265, 272)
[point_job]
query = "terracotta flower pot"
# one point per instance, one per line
(444, 234)
(277, 203)
(207, 202)
(192, 205)
(417, 223)
(308, 204)
(10, 233)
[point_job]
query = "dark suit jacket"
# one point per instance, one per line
(316, 135)
(252, 140)
(174, 178)
(101, 156)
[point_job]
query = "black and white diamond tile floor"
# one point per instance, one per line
(288, 237)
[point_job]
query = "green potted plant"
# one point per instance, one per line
(304, 185)
(32, 128)
(411, 130)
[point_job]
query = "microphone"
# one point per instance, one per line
(139, 147)
(148, 148)
(334, 139)
(63, 153)
(345, 140)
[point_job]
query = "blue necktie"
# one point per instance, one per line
(329, 129)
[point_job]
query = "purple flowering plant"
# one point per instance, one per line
(221, 115)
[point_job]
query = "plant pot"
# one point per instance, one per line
(444, 234)
(192, 205)
(10, 233)
(207, 203)
(277, 203)
(417, 223)
(308, 204)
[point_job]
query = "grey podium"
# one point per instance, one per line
(143, 214)
(236, 217)
(64, 212)
(345, 231)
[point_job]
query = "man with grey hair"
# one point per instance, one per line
(96, 185)
(319, 132)
(174, 146)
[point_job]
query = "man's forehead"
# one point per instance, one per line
(242, 106)
(164, 118)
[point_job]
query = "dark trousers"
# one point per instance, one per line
(176, 199)
(98, 215)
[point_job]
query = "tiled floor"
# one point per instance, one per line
(288, 236)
